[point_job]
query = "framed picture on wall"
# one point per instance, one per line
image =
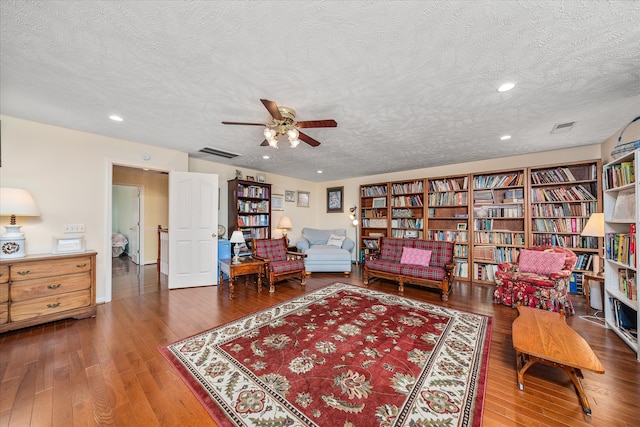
(303, 199)
(289, 196)
(277, 202)
(334, 199)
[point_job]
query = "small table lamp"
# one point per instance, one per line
(15, 201)
(237, 238)
(595, 228)
(285, 224)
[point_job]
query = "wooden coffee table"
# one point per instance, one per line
(544, 336)
(246, 266)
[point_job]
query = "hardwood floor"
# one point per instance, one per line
(107, 370)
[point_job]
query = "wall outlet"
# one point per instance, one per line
(73, 228)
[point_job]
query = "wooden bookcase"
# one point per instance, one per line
(407, 209)
(562, 199)
(620, 200)
(498, 221)
(448, 217)
(374, 216)
(249, 208)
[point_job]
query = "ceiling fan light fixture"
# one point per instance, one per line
(269, 133)
(294, 142)
(273, 142)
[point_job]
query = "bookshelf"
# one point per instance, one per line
(498, 221)
(562, 199)
(621, 258)
(448, 217)
(249, 208)
(374, 216)
(407, 209)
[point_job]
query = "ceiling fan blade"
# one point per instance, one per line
(243, 123)
(306, 138)
(273, 109)
(264, 143)
(317, 124)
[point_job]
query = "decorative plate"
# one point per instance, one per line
(221, 230)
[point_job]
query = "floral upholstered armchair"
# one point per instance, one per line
(539, 279)
(279, 263)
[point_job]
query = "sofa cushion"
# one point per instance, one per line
(415, 256)
(326, 253)
(273, 249)
(421, 272)
(540, 262)
(391, 248)
(320, 237)
(441, 252)
(335, 240)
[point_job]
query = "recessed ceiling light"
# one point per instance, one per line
(505, 137)
(265, 157)
(116, 118)
(506, 86)
(319, 171)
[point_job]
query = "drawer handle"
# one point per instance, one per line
(24, 272)
(54, 305)
(81, 265)
(56, 286)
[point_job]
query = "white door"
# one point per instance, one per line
(134, 229)
(193, 224)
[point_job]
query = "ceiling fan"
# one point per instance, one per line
(283, 123)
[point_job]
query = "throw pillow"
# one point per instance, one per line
(540, 262)
(415, 256)
(335, 240)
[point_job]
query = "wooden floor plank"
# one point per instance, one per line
(107, 370)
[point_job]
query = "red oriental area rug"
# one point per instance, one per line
(341, 356)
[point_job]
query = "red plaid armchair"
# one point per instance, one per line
(540, 279)
(279, 263)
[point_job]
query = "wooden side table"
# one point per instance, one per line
(246, 266)
(587, 288)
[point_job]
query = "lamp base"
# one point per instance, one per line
(12, 243)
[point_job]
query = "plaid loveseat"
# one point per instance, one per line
(387, 264)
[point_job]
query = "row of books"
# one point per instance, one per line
(566, 241)
(565, 209)
(552, 175)
(499, 237)
(625, 319)
(447, 199)
(407, 223)
(403, 213)
(253, 220)
(461, 251)
(448, 185)
(401, 201)
(627, 283)
(254, 191)
(621, 247)
(576, 283)
(486, 272)
(448, 235)
(618, 175)
(407, 234)
(584, 262)
(511, 211)
(561, 194)
(408, 187)
(245, 206)
(495, 254)
(559, 225)
(370, 243)
(461, 268)
(496, 181)
(374, 190)
(374, 222)
(256, 233)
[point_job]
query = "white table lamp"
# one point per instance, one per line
(237, 238)
(15, 202)
(595, 228)
(285, 224)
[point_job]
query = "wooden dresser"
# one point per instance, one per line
(43, 288)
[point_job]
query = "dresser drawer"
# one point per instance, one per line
(38, 307)
(4, 273)
(36, 269)
(4, 292)
(49, 286)
(4, 313)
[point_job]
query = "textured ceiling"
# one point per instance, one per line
(411, 84)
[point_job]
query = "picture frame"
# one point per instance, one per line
(261, 177)
(411, 234)
(303, 199)
(277, 202)
(250, 178)
(379, 202)
(335, 196)
(462, 226)
(289, 196)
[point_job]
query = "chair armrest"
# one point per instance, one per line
(560, 274)
(302, 244)
(291, 255)
(260, 258)
(348, 244)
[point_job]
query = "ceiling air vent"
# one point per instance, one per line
(219, 153)
(562, 127)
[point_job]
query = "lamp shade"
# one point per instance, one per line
(17, 202)
(285, 223)
(595, 225)
(237, 237)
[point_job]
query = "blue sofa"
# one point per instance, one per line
(324, 253)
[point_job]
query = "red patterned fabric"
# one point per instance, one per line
(415, 256)
(273, 249)
(391, 248)
(547, 292)
(280, 267)
(540, 262)
(441, 252)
